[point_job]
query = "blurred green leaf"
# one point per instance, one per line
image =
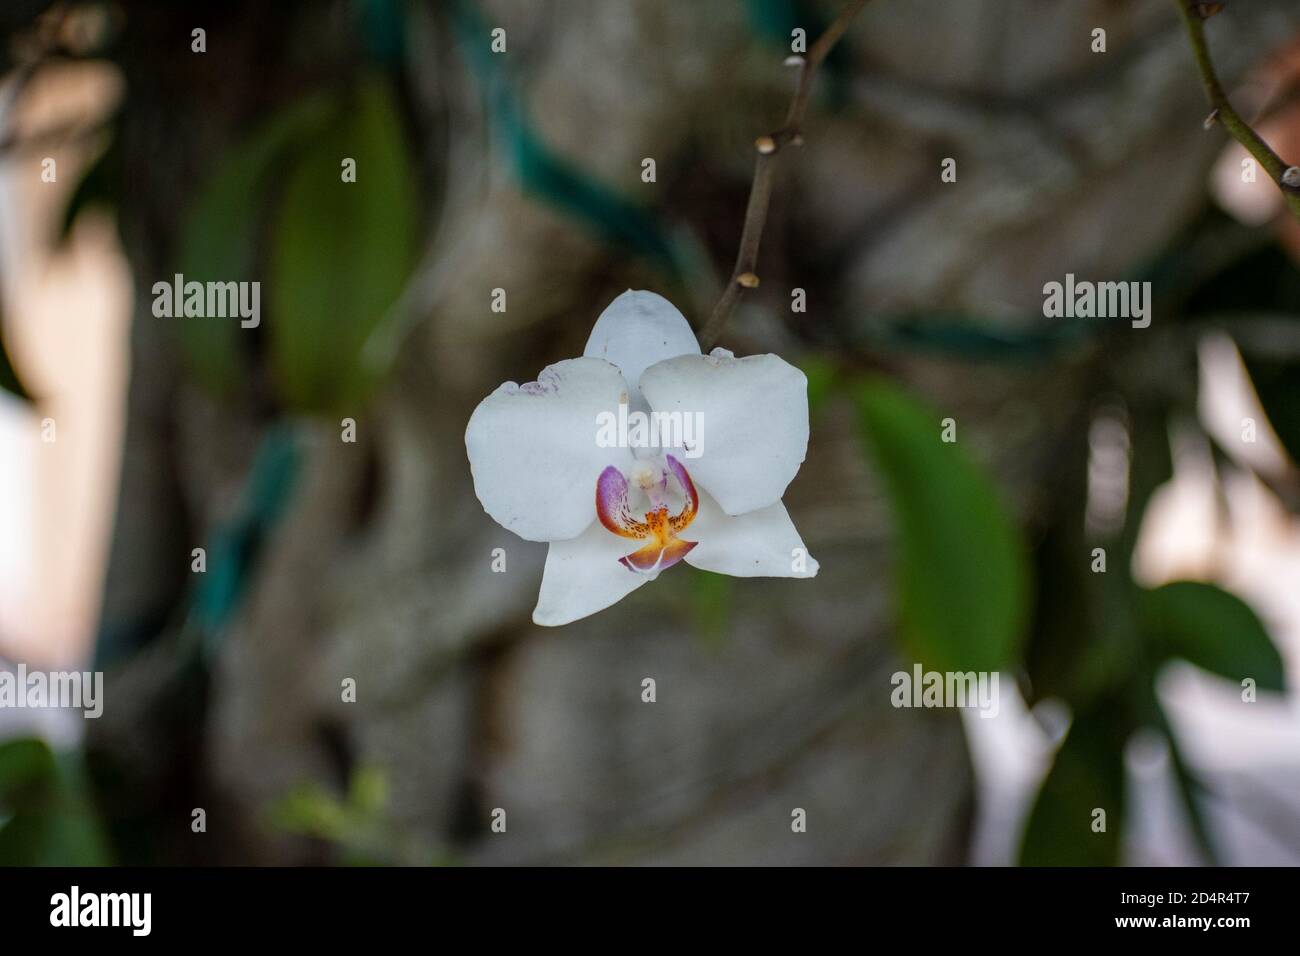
(359, 826)
(341, 252)
(368, 791)
(310, 810)
(45, 813)
(219, 242)
(962, 572)
(25, 763)
(1212, 629)
(710, 600)
(822, 375)
(1087, 775)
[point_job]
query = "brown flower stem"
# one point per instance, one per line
(769, 147)
(1194, 15)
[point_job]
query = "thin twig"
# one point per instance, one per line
(769, 147)
(1194, 15)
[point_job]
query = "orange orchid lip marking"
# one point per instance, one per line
(659, 528)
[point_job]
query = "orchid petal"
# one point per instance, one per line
(762, 543)
(584, 575)
(753, 418)
(533, 452)
(637, 330)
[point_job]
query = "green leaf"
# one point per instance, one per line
(962, 572)
(710, 602)
(1212, 629)
(368, 792)
(822, 375)
(341, 252)
(1087, 775)
(220, 238)
(45, 813)
(311, 811)
(25, 764)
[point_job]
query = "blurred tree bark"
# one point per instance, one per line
(1067, 161)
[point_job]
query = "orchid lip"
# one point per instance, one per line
(659, 528)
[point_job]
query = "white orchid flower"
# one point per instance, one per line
(616, 516)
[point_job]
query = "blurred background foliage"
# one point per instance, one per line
(46, 817)
(985, 574)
